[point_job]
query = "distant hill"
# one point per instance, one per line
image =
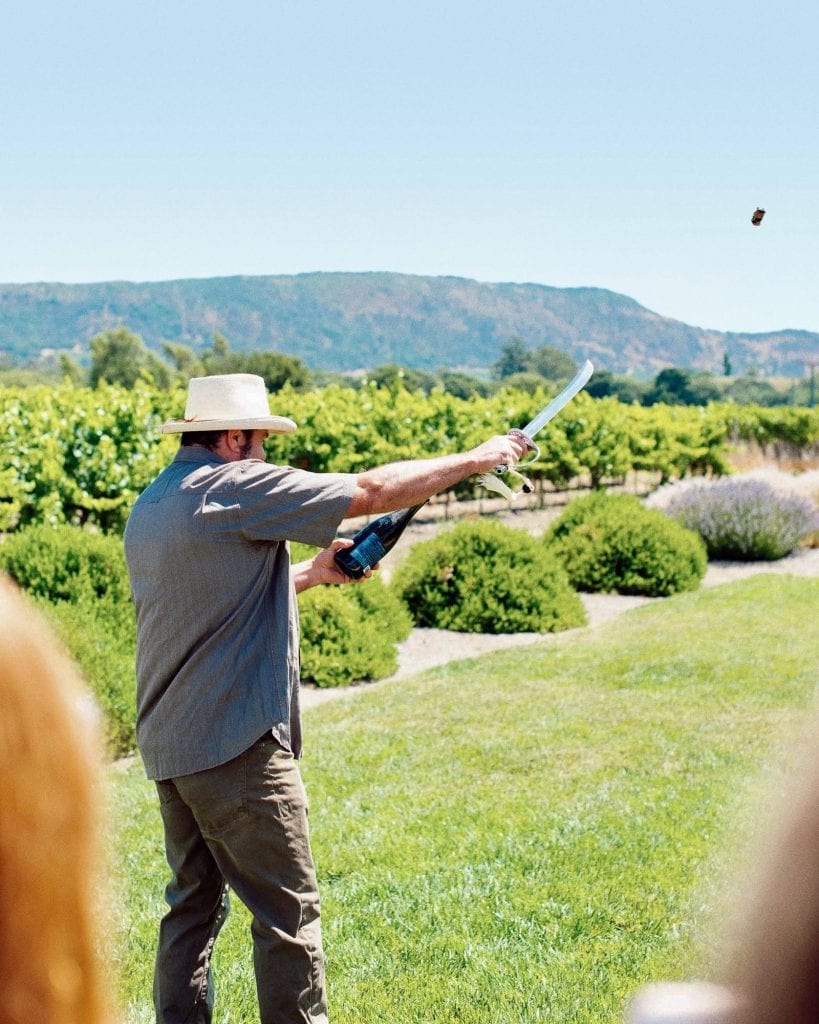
(341, 321)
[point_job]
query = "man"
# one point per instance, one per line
(218, 721)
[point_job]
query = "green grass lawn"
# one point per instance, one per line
(526, 836)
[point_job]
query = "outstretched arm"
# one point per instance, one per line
(400, 484)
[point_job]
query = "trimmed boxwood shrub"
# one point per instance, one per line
(80, 582)
(341, 643)
(484, 577)
(66, 563)
(613, 543)
(382, 606)
(100, 636)
(349, 633)
(373, 599)
(745, 519)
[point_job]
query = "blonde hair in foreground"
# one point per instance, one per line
(48, 828)
(771, 939)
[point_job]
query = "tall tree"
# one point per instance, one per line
(604, 383)
(679, 387)
(121, 357)
(463, 385)
(71, 370)
(187, 362)
(276, 368)
(514, 358)
(393, 376)
(551, 363)
(753, 391)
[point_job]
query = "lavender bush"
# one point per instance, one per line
(806, 484)
(745, 519)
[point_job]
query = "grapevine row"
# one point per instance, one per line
(80, 455)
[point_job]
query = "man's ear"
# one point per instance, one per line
(234, 440)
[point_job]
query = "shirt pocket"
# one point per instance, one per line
(219, 511)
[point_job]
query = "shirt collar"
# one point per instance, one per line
(198, 455)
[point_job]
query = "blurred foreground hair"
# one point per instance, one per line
(773, 960)
(49, 861)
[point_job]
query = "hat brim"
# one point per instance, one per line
(275, 424)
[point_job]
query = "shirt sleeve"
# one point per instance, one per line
(280, 503)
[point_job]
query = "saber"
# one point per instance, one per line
(548, 412)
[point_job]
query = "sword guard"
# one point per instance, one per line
(520, 436)
(530, 445)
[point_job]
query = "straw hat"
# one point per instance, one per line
(229, 401)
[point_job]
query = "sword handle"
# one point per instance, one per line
(530, 446)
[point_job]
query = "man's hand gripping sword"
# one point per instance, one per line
(492, 481)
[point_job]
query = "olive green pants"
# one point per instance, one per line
(240, 826)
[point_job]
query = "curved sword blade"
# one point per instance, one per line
(548, 412)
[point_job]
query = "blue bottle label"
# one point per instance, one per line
(369, 551)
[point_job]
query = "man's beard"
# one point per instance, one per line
(244, 449)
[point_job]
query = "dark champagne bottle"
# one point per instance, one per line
(373, 541)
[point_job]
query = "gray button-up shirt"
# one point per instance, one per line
(217, 620)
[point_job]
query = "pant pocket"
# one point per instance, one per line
(217, 797)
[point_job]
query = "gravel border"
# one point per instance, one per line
(429, 648)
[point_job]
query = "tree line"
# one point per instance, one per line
(120, 356)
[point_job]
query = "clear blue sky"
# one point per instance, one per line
(622, 145)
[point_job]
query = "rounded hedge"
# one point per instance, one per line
(66, 563)
(80, 581)
(484, 577)
(348, 633)
(383, 606)
(100, 636)
(613, 543)
(340, 642)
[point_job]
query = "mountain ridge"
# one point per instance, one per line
(346, 321)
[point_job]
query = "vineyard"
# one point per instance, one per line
(78, 455)
(74, 459)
